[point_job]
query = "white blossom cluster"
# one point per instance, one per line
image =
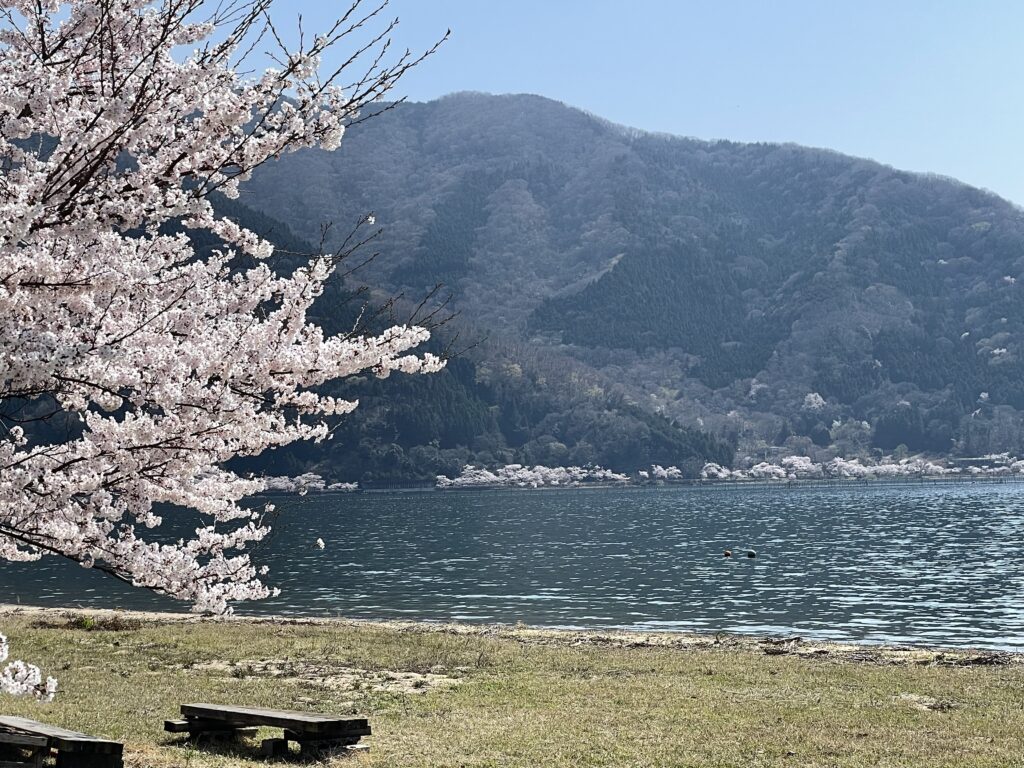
(343, 487)
(303, 484)
(519, 476)
(21, 679)
(813, 402)
(803, 468)
(173, 363)
(713, 471)
(788, 468)
(658, 473)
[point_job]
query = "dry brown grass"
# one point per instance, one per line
(460, 696)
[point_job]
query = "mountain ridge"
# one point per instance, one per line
(735, 278)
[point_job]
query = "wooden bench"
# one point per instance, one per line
(74, 750)
(314, 733)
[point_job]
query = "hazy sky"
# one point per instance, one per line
(922, 85)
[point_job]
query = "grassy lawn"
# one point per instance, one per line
(459, 696)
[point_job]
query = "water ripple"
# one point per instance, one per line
(907, 564)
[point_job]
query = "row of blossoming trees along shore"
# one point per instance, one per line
(118, 122)
(803, 468)
(789, 468)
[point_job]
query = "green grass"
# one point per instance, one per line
(450, 696)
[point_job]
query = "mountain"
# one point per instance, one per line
(785, 299)
(413, 428)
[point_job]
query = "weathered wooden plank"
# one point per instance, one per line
(305, 722)
(22, 739)
(179, 726)
(86, 746)
(22, 750)
(43, 729)
(61, 738)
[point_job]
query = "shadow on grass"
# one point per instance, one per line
(247, 746)
(90, 623)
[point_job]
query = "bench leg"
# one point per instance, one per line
(274, 748)
(13, 756)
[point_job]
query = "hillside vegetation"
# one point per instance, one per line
(785, 299)
(509, 406)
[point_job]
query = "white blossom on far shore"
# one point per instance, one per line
(803, 468)
(520, 476)
(659, 472)
(813, 402)
(343, 487)
(303, 484)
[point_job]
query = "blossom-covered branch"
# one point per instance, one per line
(170, 362)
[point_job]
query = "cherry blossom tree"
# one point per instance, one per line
(119, 119)
(519, 476)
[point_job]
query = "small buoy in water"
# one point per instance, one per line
(751, 553)
(727, 553)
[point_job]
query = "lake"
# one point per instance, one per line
(914, 563)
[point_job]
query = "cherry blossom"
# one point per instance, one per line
(813, 402)
(659, 472)
(118, 122)
(21, 679)
(803, 468)
(519, 476)
(304, 483)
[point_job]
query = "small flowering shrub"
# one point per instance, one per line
(21, 679)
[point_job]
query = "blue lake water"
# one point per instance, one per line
(918, 564)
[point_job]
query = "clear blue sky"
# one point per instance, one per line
(924, 85)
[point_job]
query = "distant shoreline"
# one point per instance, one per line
(688, 483)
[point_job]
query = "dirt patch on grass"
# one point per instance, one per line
(327, 676)
(927, 703)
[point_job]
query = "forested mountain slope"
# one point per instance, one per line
(515, 407)
(785, 298)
